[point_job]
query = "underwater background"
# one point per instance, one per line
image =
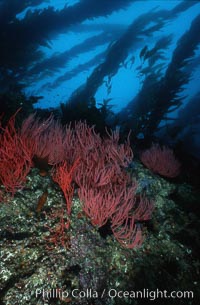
(99, 152)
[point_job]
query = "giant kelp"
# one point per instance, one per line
(157, 98)
(61, 59)
(37, 27)
(159, 93)
(119, 50)
(178, 130)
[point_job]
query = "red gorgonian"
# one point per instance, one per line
(161, 160)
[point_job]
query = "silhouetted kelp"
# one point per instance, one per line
(38, 26)
(21, 59)
(119, 50)
(157, 98)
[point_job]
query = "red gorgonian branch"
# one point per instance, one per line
(63, 175)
